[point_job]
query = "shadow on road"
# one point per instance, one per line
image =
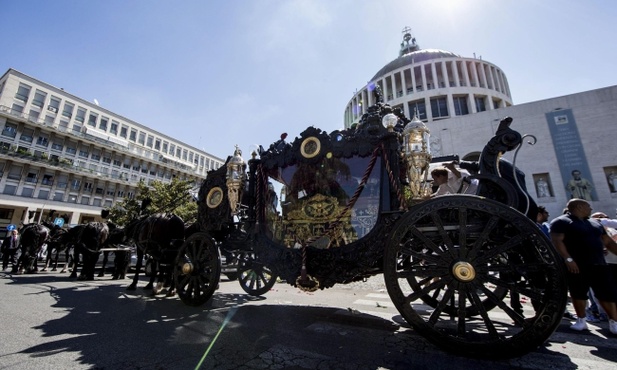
(110, 328)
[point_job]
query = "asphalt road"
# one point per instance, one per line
(51, 322)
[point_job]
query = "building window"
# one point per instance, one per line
(54, 104)
(31, 177)
(42, 140)
(480, 103)
(98, 191)
(27, 192)
(84, 153)
(58, 196)
(75, 184)
(460, 106)
(26, 135)
(43, 194)
(157, 144)
(439, 107)
(184, 154)
(9, 189)
(120, 193)
(133, 135)
(111, 192)
(92, 119)
(48, 180)
(9, 130)
(23, 92)
(88, 187)
(142, 138)
(103, 123)
(178, 152)
(150, 141)
(496, 104)
(67, 111)
(39, 99)
(76, 129)
(81, 115)
(96, 202)
(172, 149)
(114, 128)
(17, 109)
(57, 146)
(85, 200)
(106, 160)
(417, 108)
(62, 181)
(123, 130)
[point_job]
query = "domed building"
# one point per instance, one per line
(436, 84)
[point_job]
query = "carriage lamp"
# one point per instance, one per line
(236, 175)
(417, 154)
(389, 121)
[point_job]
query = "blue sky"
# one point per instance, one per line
(218, 73)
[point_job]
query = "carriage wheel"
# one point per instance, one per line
(197, 269)
(255, 278)
(460, 253)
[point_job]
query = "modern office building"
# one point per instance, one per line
(61, 152)
(462, 101)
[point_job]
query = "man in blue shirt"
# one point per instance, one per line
(581, 242)
(541, 220)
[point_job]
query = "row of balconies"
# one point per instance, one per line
(130, 149)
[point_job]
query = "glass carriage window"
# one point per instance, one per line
(310, 202)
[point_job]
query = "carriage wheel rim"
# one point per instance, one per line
(464, 271)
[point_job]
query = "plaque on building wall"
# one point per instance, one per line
(571, 157)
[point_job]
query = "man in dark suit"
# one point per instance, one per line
(9, 248)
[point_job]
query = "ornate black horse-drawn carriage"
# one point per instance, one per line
(335, 208)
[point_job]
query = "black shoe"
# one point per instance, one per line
(569, 316)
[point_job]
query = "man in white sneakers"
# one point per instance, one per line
(581, 242)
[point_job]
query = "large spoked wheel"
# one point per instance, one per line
(255, 278)
(197, 270)
(460, 253)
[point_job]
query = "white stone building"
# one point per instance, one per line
(61, 152)
(462, 101)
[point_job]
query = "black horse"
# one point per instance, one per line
(160, 236)
(33, 236)
(91, 239)
(58, 242)
(116, 239)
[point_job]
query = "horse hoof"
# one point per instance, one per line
(56, 270)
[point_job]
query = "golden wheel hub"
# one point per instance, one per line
(187, 268)
(463, 271)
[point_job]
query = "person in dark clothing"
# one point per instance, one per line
(581, 242)
(10, 244)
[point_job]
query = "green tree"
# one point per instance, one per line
(173, 197)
